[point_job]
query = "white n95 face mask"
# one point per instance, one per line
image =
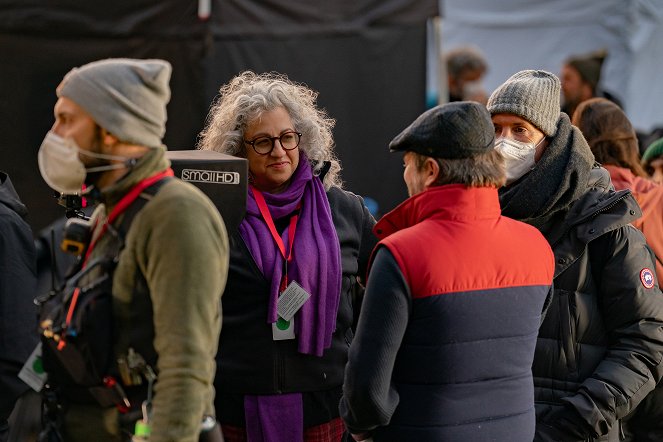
(63, 170)
(518, 156)
(59, 164)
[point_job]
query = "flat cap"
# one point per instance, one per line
(455, 130)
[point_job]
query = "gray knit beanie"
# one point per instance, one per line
(532, 95)
(126, 97)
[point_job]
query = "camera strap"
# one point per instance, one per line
(125, 203)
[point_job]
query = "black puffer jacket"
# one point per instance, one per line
(17, 290)
(600, 346)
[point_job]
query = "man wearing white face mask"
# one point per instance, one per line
(159, 240)
(519, 156)
(600, 346)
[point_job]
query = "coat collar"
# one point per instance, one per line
(153, 161)
(449, 202)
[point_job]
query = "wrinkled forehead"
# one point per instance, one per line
(506, 119)
(67, 107)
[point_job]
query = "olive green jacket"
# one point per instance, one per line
(178, 243)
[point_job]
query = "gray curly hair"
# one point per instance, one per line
(249, 95)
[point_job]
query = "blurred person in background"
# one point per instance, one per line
(652, 161)
(613, 141)
(614, 144)
(466, 69)
(304, 240)
(600, 345)
(581, 76)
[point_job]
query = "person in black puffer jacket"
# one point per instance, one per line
(600, 346)
(17, 311)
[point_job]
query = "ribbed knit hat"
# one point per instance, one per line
(455, 130)
(654, 150)
(532, 95)
(126, 97)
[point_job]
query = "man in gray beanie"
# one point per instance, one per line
(454, 297)
(600, 346)
(161, 244)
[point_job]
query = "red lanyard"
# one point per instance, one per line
(124, 203)
(121, 206)
(264, 211)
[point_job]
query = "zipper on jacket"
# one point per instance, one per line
(592, 216)
(279, 369)
(611, 205)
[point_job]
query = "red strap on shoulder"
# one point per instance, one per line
(121, 206)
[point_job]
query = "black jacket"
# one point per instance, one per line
(17, 285)
(249, 361)
(600, 346)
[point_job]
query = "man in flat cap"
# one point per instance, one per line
(454, 297)
(143, 313)
(600, 346)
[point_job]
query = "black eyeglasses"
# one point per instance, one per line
(265, 145)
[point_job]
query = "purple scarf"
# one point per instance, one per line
(274, 418)
(316, 266)
(316, 255)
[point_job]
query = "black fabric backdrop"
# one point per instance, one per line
(366, 58)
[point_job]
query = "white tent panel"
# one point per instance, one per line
(540, 34)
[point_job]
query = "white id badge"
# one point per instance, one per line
(283, 330)
(33, 373)
(289, 303)
(291, 300)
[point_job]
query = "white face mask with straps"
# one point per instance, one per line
(63, 170)
(518, 156)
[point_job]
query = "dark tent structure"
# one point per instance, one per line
(367, 58)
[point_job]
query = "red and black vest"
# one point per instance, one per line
(478, 283)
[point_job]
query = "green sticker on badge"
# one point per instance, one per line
(38, 366)
(282, 324)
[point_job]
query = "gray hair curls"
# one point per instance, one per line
(249, 95)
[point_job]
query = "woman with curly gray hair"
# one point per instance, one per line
(295, 258)
(249, 95)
